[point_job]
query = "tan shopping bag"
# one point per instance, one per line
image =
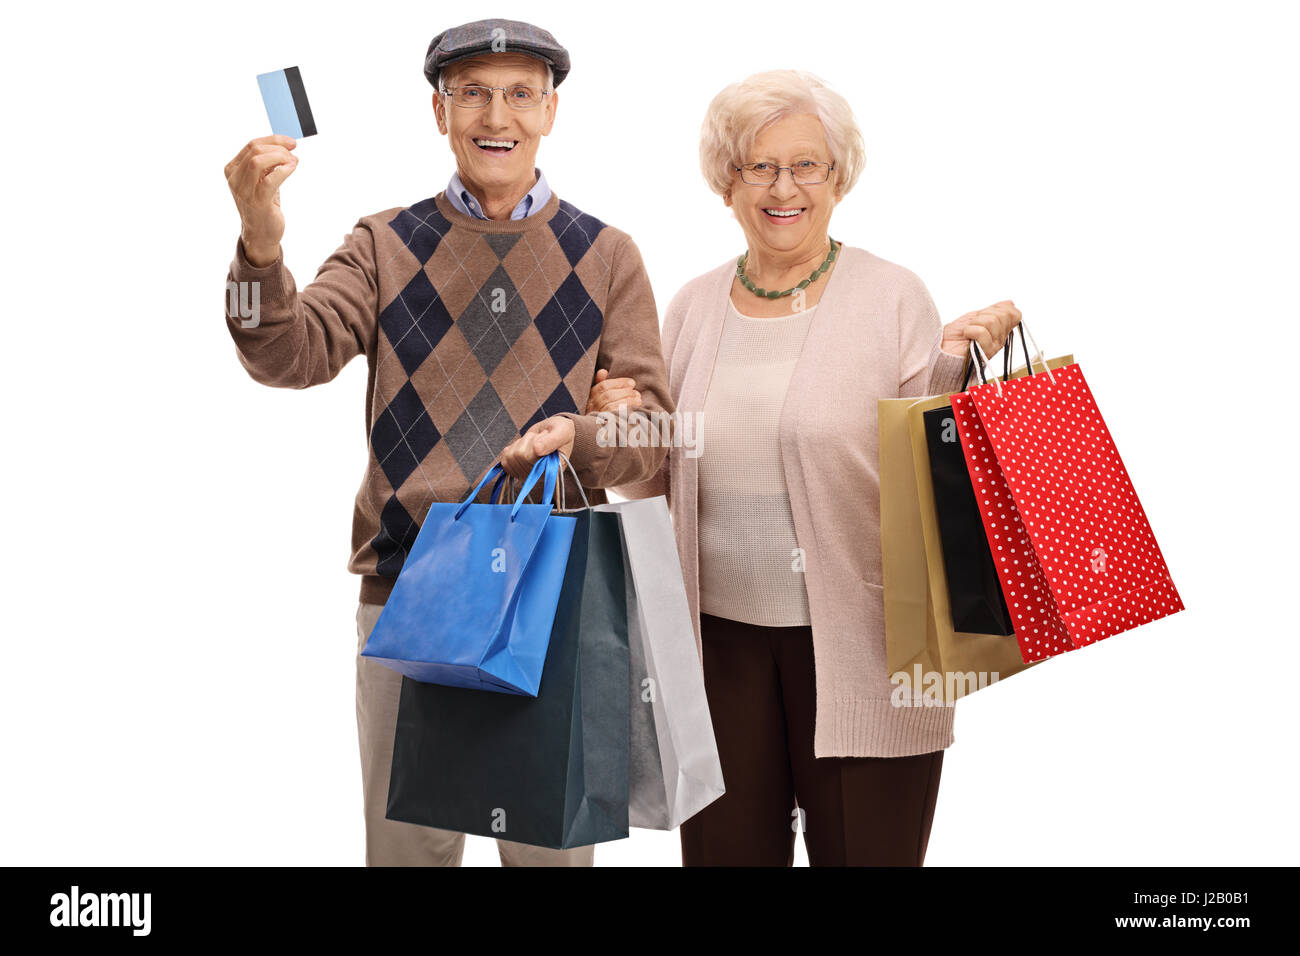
(921, 644)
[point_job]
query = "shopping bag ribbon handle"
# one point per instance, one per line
(547, 466)
(499, 473)
(496, 471)
(502, 478)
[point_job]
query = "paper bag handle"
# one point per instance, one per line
(577, 481)
(980, 361)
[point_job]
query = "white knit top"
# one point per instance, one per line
(748, 562)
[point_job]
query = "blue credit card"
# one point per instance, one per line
(286, 102)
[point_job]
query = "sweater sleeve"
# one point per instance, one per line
(297, 339)
(629, 348)
(660, 484)
(923, 367)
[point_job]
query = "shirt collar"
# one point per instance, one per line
(462, 200)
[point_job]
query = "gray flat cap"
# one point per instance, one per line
(494, 36)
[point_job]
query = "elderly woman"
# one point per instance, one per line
(782, 353)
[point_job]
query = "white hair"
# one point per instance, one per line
(442, 74)
(737, 115)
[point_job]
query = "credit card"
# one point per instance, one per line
(286, 103)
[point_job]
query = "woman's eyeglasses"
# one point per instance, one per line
(805, 172)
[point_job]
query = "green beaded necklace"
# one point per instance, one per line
(763, 293)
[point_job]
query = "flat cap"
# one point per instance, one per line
(494, 36)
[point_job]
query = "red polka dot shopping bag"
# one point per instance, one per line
(1075, 555)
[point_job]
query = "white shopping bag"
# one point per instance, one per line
(673, 766)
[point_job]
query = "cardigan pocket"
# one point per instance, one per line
(873, 604)
(862, 615)
(872, 598)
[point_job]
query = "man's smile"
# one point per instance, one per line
(495, 145)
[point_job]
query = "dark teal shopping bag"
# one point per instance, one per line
(547, 771)
(475, 599)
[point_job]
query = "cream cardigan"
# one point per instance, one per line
(875, 334)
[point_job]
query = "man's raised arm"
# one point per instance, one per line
(284, 338)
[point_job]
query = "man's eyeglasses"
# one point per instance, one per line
(474, 97)
(805, 172)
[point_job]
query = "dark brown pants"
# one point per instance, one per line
(854, 811)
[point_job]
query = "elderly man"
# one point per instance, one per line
(483, 313)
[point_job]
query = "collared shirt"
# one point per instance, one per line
(462, 200)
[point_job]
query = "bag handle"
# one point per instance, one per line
(506, 480)
(496, 471)
(981, 360)
(548, 466)
(984, 360)
(577, 481)
(1006, 354)
(1007, 349)
(1038, 353)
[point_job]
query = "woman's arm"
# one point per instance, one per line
(932, 356)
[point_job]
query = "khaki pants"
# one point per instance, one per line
(389, 842)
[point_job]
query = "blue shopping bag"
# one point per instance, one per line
(475, 601)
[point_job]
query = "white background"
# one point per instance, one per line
(178, 687)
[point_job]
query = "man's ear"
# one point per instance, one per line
(551, 108)
(440, 113)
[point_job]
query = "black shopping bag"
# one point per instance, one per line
(548, 771)
(974, 593)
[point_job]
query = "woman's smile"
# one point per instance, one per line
(784, 215)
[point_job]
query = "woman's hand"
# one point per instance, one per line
(989, 327)
(609, 393)
(548, 435)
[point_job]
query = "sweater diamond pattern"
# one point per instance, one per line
(485, 327)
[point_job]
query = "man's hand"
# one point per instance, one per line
(546, 436)
(989, 327)
(610, 393)
(254, 177)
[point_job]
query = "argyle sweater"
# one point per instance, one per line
(473, 330)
